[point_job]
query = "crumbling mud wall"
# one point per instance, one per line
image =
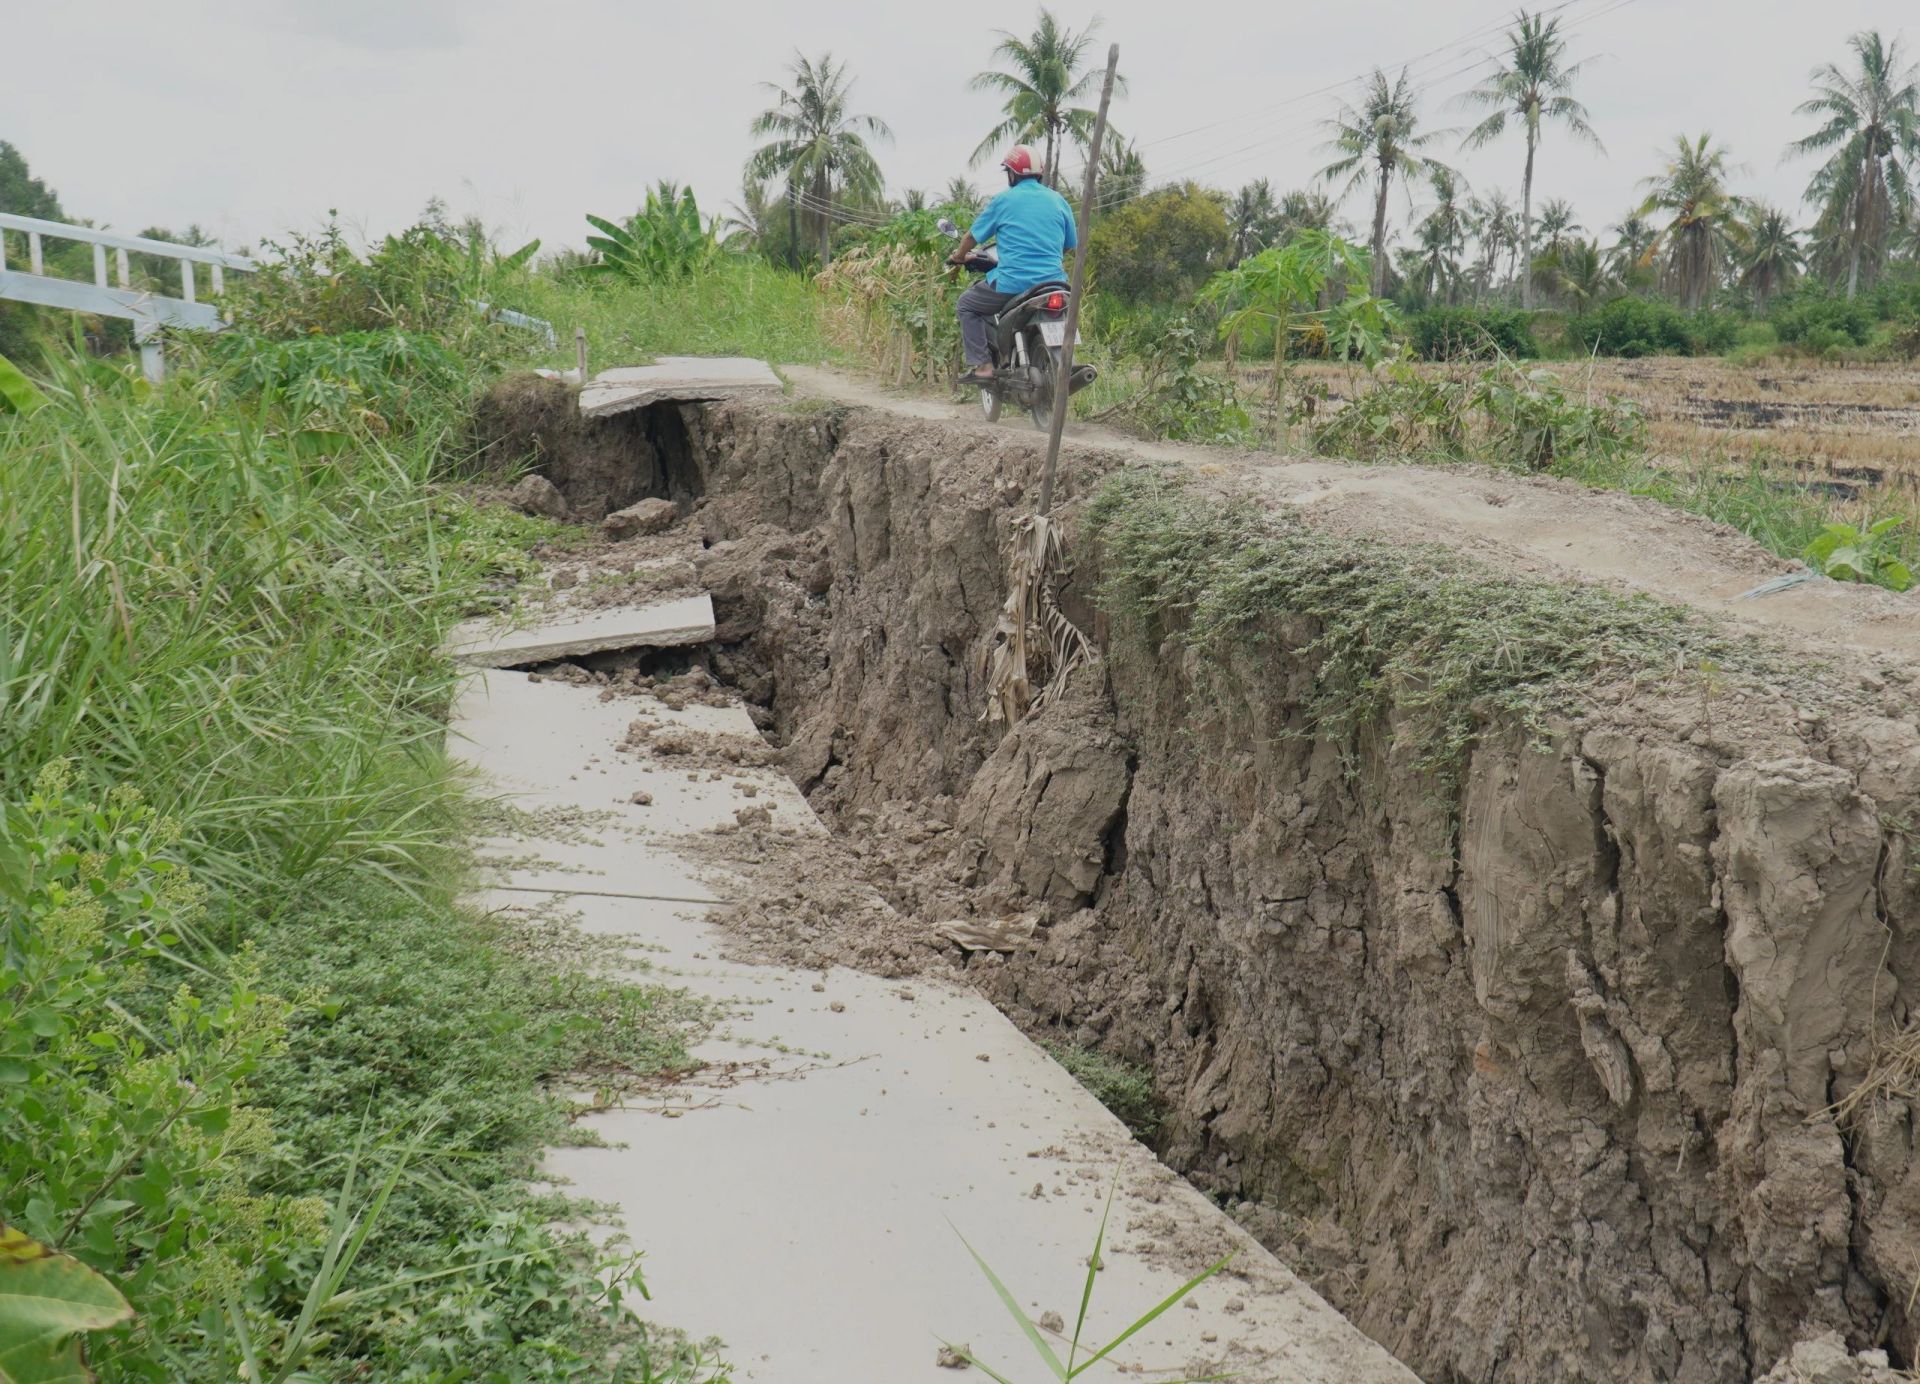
(599, 464)
(1553, 1057)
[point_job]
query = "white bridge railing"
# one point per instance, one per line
(148, 311)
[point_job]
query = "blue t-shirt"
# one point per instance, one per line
(1033, 227)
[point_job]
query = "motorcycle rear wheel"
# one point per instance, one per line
(1046, 371)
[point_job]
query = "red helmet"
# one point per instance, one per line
(1021, 162)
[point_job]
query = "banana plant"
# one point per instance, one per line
(665, 239)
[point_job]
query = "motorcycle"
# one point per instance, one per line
(1027, 343)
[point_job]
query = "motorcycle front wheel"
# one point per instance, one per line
(990, 404)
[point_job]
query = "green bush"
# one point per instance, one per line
(1158, 248)
(334, 381)
(1404, 414)
(1904, 337)
(1531, 422)
(1176, 396)
(1817, 321)
(199, 604)
(131, 1139)
(1635, 327)
(1466, 333)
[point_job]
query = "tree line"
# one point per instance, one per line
(1692, 236)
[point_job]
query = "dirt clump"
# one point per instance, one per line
(1826, 1360)
(646, 517)
(807, 902)
(538, 496)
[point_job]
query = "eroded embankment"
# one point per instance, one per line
(1539, 1043)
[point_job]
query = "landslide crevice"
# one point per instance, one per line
(1494, 986)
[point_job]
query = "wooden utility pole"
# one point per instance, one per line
(1062, 383)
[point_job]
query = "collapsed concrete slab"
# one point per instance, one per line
(675, 379)
(800, 1195)
(665, 625)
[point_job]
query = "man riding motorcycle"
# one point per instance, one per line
(1033, 227)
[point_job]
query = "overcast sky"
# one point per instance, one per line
(254, 116)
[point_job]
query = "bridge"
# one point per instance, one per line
(148, 310)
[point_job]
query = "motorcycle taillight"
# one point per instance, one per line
(1056, 302)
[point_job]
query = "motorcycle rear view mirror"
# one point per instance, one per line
(947, 228)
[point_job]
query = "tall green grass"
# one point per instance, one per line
(229, 598)
(1751, 498)
(746, 307)
(195, 605)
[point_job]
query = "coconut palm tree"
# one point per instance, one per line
(1557, 224)
(1703, 218)
(1431, 267)
(1533, 85)
(818, 146)
(1577, 273)
(1771, 259)
(1442, 234)
(1123, 175)
(961, 194)
(1633, 236)
(1493, 223)
(1871, 135)
(1041, 84)
(1302, 210)
(1379, 139)
(1252, 219)
(748, 221)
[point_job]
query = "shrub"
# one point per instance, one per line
(1123, 1088)
(1531, 421)
(1634, 327)
(1176, 398)
(333, 380)
(1404, 414)
(1525, 419)
(1161, 247)
(1818, 322)
(1714, 331)
(1471, 333)
(1847, 553)
(1904, 339)
(131, 1143)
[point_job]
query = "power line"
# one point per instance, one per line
(1291, 135)
(1492, 27)
(1287, 137)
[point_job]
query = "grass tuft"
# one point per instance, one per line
(1410, 642)
(1125, 1089)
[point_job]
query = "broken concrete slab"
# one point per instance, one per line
(675, 379)
(810, 1220)
(664, 625)
(599, 819)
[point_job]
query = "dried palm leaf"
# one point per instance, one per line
(1033, 640)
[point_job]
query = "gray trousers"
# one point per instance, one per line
(979, 305)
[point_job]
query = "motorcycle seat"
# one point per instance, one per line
(1050, 286)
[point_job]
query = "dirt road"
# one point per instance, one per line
(1532, 524)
